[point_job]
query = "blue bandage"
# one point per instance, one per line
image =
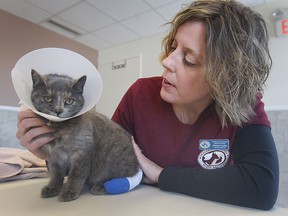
(123, 185)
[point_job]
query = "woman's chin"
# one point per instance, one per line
(166, 96)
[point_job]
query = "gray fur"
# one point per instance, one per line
(90, 149)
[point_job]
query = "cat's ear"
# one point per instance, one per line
(79, 84)
(37, 78)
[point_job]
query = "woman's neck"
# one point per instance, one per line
(186, 114)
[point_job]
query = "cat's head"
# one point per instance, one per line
(57, 95)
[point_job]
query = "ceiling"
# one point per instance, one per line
(101, 23)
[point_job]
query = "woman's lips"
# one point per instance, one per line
(166, 83)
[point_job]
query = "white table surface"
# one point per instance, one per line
(23, 198)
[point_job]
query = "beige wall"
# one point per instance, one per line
(18, 37)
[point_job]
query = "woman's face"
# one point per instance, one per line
(183, 77)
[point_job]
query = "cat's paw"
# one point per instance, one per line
(66, 196)
(49, 191)
(98, 190)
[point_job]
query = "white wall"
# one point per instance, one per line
(276, 89)
(148, 49)
(144, 53)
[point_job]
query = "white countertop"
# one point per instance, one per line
(23, 198)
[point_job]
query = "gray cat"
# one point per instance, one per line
(89, 148)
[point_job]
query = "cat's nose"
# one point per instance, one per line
(58, 111)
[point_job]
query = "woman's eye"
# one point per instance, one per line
(48, 99)
(173, 46)
(69, 101)
(172, 49)
(188, 62)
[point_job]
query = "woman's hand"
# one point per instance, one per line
(151, 170)
(33, 132)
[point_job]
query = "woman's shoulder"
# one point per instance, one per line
(147, 86)
(260, 117)
(149, 81)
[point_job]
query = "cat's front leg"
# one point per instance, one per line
(76, 180)
(71, 190)
(55, 184)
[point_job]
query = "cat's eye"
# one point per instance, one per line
(48, 99)
(69, 101)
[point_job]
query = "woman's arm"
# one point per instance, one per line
(33, 132)
(251, 182)
(151, 170)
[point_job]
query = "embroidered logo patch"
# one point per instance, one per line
(214, 153)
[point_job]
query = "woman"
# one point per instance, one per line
(201, 128)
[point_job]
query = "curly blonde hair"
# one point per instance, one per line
(237, 57)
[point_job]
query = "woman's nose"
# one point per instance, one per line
(169, 62)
